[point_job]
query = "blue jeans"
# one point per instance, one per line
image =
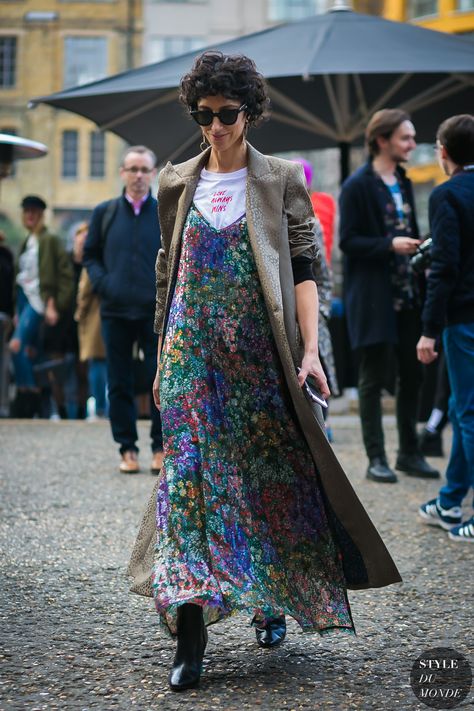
(119, 336)
(27, 331)
(97, 375)
(459, 348)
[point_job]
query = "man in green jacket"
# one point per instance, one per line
(44, 290)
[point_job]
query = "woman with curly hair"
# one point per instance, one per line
(253, 511)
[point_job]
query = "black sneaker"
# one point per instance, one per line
(416, 465)
(431, 444)
(378, 470)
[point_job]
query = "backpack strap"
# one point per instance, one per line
(107, 219)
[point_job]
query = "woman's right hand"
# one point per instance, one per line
(156, 389)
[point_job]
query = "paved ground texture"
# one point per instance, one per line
(75, 638)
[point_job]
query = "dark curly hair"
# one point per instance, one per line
(233, 76)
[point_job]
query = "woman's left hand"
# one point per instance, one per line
(311, 365)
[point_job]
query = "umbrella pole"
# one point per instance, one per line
(344, 160)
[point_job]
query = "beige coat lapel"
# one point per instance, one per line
(264, 199)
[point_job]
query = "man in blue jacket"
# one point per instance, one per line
(378, 233)
(449, 305)
(119, 255)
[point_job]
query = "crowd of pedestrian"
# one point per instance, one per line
(213, 299)
(81, 331)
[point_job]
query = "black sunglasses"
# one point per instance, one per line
(204, 117)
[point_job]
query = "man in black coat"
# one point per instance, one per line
(119, 255)
(378, 234)
(449, 308)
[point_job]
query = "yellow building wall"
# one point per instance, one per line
(447, 19)
(40, 65)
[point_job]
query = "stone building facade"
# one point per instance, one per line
(47, 46)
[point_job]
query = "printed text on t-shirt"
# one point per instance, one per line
(220, 201)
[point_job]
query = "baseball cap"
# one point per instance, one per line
(33, 201)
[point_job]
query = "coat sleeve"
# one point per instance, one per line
(64, 292)
(84, 297)
(445, 262)
(161, 266)
(93, 257)
(161, 270)
(302, 226)
(353, 242)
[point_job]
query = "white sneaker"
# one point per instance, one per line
(434, 515)
(464, 532)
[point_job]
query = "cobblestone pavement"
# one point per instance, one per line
(75, 638)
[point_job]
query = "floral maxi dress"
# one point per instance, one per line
(241, 523)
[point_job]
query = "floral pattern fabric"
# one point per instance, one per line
(241, 523)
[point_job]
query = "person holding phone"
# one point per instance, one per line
(252, 511)
(378, 235)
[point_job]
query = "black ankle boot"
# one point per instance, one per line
(192, 640)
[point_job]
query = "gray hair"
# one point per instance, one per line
(139, 149)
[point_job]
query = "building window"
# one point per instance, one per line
(85, 60)
(10, 132)
(70, 154)
(420, 8)
(97, 155)
(465, 5)
(7, 62)
(282, 10)
(163, 47)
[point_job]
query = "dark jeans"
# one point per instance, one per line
(119, 336)
(375, 364)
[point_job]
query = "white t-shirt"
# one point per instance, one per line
(220, 197)
(28, 274)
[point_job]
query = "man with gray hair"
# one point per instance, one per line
(119, 255)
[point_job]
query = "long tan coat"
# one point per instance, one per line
(91, 344)
(281, 225)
